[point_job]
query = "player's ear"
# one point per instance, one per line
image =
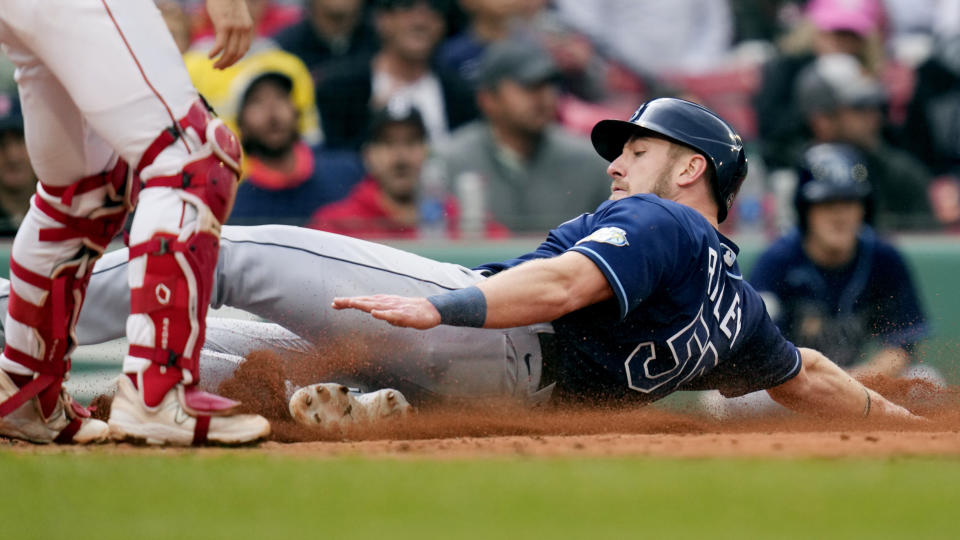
(694, 168)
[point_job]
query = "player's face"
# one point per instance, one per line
(411, 32)
(646, 165)
(336, 17)
(527, 109)
(268, 121)
(862, 126)
(396, 160)
(833, 226)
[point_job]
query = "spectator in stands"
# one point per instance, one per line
(286, 180)
(653, 37)
(833, 285)
(932, 128)
(17, 180)
(489, 21)
(833, 27)
(390, 201)
(332, 30)
(409, 31)
(583, 71)
(841, 103)
(536, 174)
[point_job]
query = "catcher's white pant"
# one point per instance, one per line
(289, 275)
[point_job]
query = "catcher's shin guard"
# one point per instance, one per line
(173, 253)
(65, 231)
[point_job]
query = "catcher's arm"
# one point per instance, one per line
(822, 388)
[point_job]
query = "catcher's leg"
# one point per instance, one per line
(64, 232)
(68, 226)
(173, 252)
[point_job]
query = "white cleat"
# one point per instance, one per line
(184, 416)
(332, 406)
(27, 421)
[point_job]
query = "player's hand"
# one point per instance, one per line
(234, 30)
(404, 311)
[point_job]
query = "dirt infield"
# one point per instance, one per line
(504, 430)
(463, 431)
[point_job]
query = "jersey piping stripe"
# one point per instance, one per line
(142, 73)
(321, 255)
(622, 294)
(793, 371)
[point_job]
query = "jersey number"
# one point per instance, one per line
(646, 373)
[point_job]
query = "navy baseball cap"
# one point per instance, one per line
(11, 118)
(397, 111)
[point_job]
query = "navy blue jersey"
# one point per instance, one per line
(681, 316)
(840, 311)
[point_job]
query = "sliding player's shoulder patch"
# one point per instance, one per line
(607, 235)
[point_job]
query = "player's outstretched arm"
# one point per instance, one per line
(534, 292)
(233, 27)
(823, 389)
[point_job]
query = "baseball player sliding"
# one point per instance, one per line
(645, 297)
(103, 85)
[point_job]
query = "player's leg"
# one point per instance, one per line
(70, 222)
(289, 275)
(150, 113)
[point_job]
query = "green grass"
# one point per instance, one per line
(203, 495)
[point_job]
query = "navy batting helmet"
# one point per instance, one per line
(688, 124)
(831, 172)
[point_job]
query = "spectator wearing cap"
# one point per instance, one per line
(285, 179)
(332, 30)
(17, 179)
(840, 102)
(387, 203)
(535, 173)
(409, 32)
(849, 27)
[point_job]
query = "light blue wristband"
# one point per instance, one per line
(462, 307)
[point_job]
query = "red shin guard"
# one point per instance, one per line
(51, 322)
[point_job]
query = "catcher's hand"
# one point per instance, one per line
(234, 30)
(403, 311)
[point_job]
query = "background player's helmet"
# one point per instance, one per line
(832, 172)
(688, 124)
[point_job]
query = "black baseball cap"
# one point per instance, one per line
(274, 77)
(837, 80)
(519, 60)
(396, 112)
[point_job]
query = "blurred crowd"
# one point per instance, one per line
(471, 118)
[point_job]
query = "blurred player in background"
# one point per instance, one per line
(833, 285)
(102, 85)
